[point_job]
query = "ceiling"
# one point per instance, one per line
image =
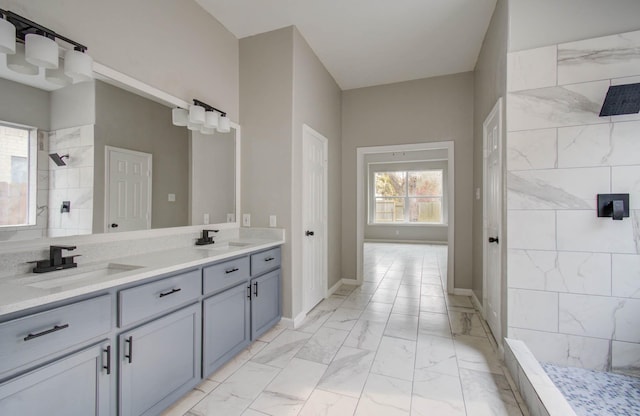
(371, 42)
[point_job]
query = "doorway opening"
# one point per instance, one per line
(407, 154)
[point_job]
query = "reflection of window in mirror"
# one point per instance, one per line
(17, 183)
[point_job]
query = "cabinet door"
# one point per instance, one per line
(159, 362)
(265, 302)
(76, 385)
(226, 324)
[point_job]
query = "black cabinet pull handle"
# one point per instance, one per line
(308, 233)
(56, 328)
(108, 366)
(171, 292)
(249, 291)
(269, 258)
(494, 240)
(235, 269)
(255, 289)
(114, 225)
(130, 355)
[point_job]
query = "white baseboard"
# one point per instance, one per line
(462, 292)
(298, 320)
(476, 303)
(287, 322)
(351, 282)
(405, 241)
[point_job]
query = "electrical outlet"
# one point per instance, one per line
(172, 198)
(478, 193)
(206, 219)
(272, 221)
(231, 218)
(246, 220)
(397, 232)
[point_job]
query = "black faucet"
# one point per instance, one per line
(55, 260)
(206, 239)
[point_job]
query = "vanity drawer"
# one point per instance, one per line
(156, 297)
(265, 260)
(43, 334)
(225, 274)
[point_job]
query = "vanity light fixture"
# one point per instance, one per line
(201, 117)
(7, 36)
(35, 46)
(179, 117)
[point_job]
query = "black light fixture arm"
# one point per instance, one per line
(208, 107)
(25, 26)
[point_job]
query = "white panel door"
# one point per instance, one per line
(492, 162)
(128, 190)
(314, 217)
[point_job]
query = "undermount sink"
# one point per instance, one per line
(223, 246)
(110, 269)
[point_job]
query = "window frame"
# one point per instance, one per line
(32, 177)
(406, 167)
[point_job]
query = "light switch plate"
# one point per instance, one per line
(272, 221)
(246, 220)
(172, 197)
(231, 218)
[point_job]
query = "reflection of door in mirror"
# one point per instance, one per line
(128, 190)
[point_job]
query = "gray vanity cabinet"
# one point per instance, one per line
(265, 302)
(159, 361)
(226, 324)
(76, 385)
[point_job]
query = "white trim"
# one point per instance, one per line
(307, 130)
(299, 319)
(496, 110)
(372, 240)
(361, 216)
(107, 180)
(287, 323)
(476, 303)
(462, 292)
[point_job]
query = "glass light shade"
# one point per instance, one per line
(223, 125)
(78, 66)
(179, 116)
(18, 63)
(57, 76)
(207, 130)
(196, 115)
(211, 119)
(41, 51)
(194, 127)
(7, 37)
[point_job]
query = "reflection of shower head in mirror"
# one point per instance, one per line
(58, 159)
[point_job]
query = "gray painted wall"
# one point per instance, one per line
(25, 105)
(73, 106)
(132, 122)
(172, 45)
(283, 86)
(266, 100)
(426, 110)
(490, 83)
(317, 103)
(546, 22)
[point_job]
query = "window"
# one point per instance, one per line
(413, 197)
(15, 188)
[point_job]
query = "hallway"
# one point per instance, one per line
(396, 345)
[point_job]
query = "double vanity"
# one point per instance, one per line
(131, 336)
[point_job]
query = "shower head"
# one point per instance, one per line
(57, 159)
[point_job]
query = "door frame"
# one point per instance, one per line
(495, 111)
(107, 180)
(361, 206)
(306, 130)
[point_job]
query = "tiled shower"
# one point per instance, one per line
(573, 278)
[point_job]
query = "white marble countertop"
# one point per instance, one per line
(31, 290)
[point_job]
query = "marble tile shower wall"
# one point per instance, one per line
(73, 182)
(573, 278)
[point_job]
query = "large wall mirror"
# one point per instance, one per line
(60, 149)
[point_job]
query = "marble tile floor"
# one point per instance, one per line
(396, 345)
